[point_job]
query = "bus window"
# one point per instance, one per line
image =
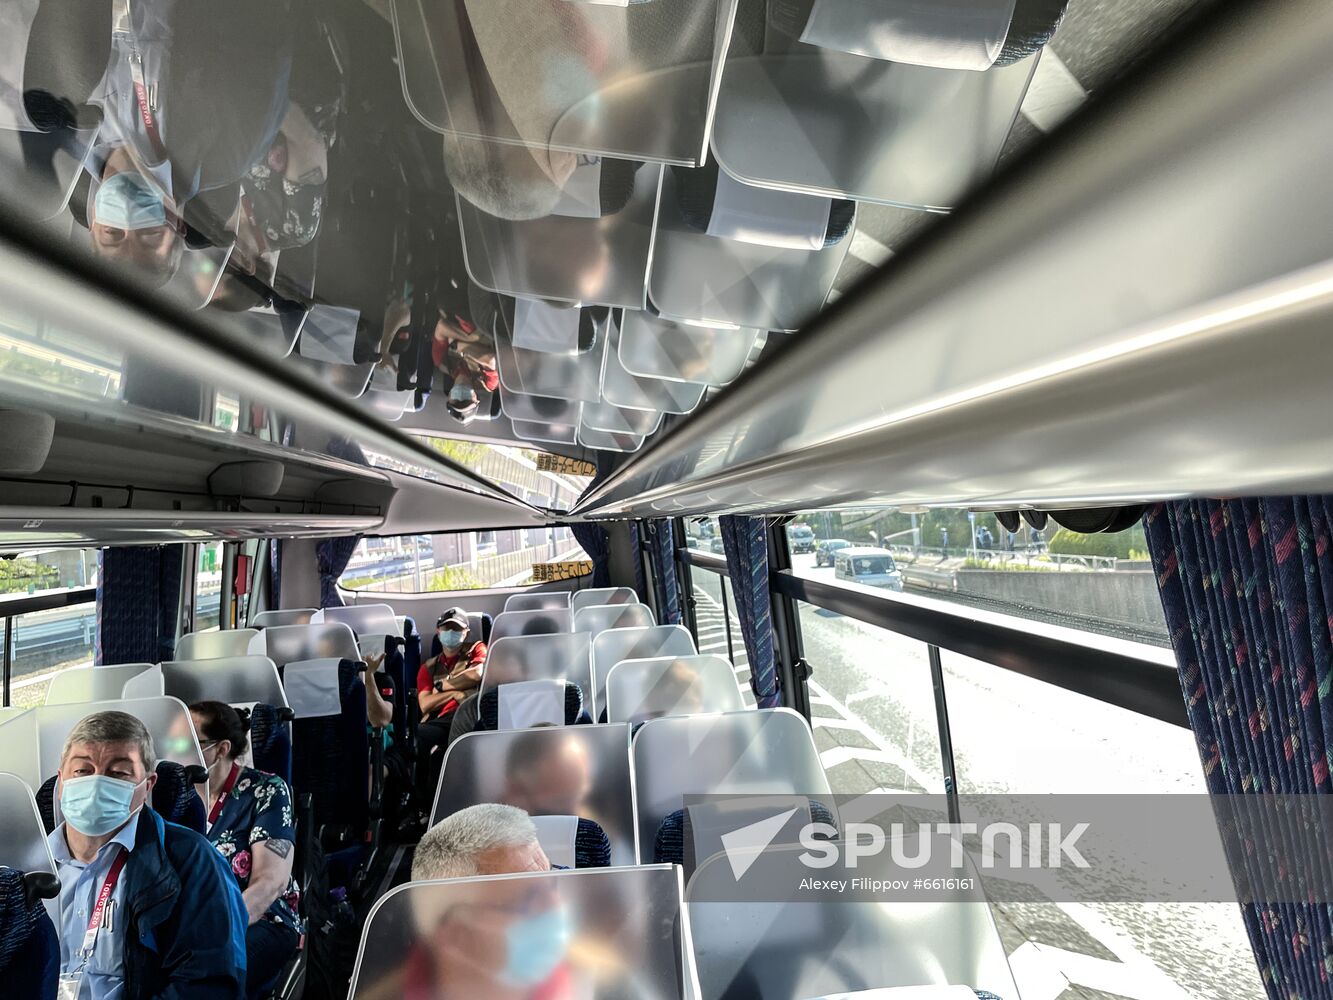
(467, 560)
(208, 587)
(43, 642)
(1101, 582)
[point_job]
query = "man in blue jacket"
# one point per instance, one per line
(148, 909)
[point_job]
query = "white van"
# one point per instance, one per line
(870, 566)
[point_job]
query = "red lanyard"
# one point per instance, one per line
(99, 909)
(227, 786)
(142, 99)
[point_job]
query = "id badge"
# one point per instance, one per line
(70, 984)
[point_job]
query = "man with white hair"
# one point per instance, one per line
(129, 926)
(486, 839)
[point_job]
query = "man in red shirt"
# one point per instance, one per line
(442, 682)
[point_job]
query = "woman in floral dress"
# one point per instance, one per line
(251, 824)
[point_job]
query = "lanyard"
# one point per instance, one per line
(99, 909)
(145, 97)
(227, 785)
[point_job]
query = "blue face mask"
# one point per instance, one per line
(450, 638)
(535, 946)
(128, 201)
(96, 804)
(460, 394)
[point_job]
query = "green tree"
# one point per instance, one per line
(453, 578)
(21, 576)
(465, 453)
(1125, 544)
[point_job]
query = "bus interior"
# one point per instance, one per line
(804, 422)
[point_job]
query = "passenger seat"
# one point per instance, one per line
(488, 708)
(573, 842)
(29, 945)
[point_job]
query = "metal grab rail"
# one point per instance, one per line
(1127, 674)
(14, 605)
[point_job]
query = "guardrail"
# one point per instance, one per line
(1027, 557)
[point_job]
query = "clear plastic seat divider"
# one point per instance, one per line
(588, 261)
(213, 645)
(537, 621)
(83, 684)
(555, 656)
(659, 686)
(22, 837)
(613, 645)
(235, 680)
(30, 744)
(598, 618)
(637, 80)
(764, 752)
(602, 595)
(548, 600)
(913, 136)
(597, 933)
(285, 643)
(561, 771)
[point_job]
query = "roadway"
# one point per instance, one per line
(874, 723)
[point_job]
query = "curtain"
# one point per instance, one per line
(745, 542)
(275, 572)
(1247, 588)
(138, 604)
(662, 539)
(640, 580)
(333, 554)
(594, 540)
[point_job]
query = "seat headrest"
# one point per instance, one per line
(598, 187)
(18, 915)
(675, 841)
(592, 847)
(573, 842)
(488, 707)
(715, 203)
(266, 722)
(174, 797)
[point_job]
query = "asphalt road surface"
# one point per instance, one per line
(874, 719)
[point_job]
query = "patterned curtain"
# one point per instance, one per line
(1247, 587)
(746, 545)
(333, 554)
(640, 581)
(138, 604)
(663, 540)
(594, 540)
(275, 572)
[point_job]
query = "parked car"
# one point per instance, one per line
(715, 546)
(869, 566)
(825, 550)
(800, 538)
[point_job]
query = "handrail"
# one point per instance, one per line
(1130, 675)
(13, 605)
